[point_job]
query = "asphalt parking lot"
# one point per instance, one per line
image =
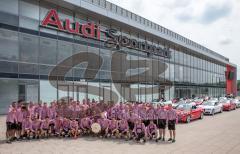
(218, 134)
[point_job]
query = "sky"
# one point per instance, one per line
(214, 24)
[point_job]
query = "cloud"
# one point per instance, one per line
(212, 23)
(213, 13)
(175, 4)
(204, 12)
(184, 17)
(225, 41)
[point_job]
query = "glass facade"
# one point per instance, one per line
(29, 53)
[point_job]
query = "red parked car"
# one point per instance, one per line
(228, 105)
(188, 112)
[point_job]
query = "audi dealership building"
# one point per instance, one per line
(93, 49)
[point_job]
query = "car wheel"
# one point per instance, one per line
(201, 116)
(213, 112)
(188, 119)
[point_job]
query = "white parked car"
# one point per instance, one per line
(212, 107)
(167, 102)
(237, 102)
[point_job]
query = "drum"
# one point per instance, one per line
(96, 128)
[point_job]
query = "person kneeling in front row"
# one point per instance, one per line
(139, 131)
(152, 131)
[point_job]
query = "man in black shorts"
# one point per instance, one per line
(162, 118)
(11, 123)
(172, 119)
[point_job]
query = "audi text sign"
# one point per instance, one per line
(92, 30)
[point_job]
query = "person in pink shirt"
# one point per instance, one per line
(45, 127)
(139, 131)
(113, 128)
(112, 113)
(152, 131)
(59, 109)
(150, 113)
(44, 112)
(31, 108)
(85, 125)
(131, 121)
(162, 121)
(58, 126)
(172, 120)
(104, 123)
(66, 127)
(74, 128)
(123, 129)
(36, 128)
(52, 111)
(74, 109)
(27, 127)
(38, 110)
(11, 122)
(12, 106)
(22, 114)
(142, 112)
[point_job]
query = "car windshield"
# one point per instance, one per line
(209, 103)
(181, 102)
(185, 107)
(156, 100)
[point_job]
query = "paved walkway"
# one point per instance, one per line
(219, 135)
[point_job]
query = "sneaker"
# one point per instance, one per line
(169, 139)
(156, 140)
(159, 138)
(163, 139)
(8, 141)
(173, 140)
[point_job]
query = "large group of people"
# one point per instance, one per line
(130, 121)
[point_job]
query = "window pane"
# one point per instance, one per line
(48, 93)
(9, 45)
(8, 67)
(29, 46)
(48, 51)
(9, 6)
(28, 68)
(9, 93)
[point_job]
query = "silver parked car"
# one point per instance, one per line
(212, 107)
(237, 102)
